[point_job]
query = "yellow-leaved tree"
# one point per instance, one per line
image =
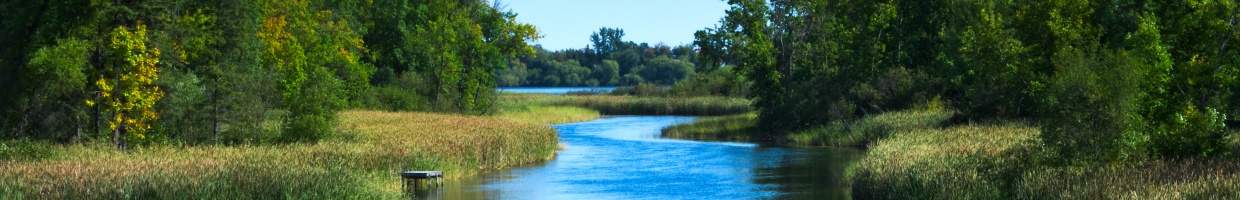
(127, 84)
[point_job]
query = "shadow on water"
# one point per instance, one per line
(624, 158)
(810, 173)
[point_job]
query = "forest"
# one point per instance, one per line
(608, 61)
(225, 71)
(1106, 80)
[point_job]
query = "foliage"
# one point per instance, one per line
(127, 88)
(57, 79)
(665, 70)
(236, 71)
(457, 46)
(1123, 79)
(609, 61)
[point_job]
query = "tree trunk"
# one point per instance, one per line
(215, 114)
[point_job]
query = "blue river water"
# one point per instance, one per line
(553, 90)
(623, 157)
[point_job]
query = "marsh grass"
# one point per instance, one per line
(532, 110)
(740, 127)
(861, 132)
(950, 163)
(639, 105)
(360, 163)
(1001, 161)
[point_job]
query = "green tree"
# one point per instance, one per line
(53, 102)
(127, 86)
(607, 73)
(607, 41)
(666, 71)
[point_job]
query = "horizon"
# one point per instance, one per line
(568, 24)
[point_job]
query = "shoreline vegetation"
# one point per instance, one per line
(921, 153)
(639, 105)
(359, 161)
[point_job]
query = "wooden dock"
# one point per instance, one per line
(417, 181)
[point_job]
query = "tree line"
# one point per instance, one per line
(241, 71)
(1105, 79)
(608, 61)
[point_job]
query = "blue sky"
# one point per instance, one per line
(569, 23)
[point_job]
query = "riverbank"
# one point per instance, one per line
(917, 154)
(360, 162)
(638, 105)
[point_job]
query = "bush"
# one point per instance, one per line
(722, 82)
(1091, 110)
(25, 150)
(404, 94)
(1193, 133)
(312, 110)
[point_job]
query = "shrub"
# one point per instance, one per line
(25, 150)
(1193, 133)
(312, 109)
(1092, 111)
(721, 82)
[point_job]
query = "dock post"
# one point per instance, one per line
(418, 181)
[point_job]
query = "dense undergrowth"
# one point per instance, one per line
(359, 162)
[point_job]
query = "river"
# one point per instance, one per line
(623, 157)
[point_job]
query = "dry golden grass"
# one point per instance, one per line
(359, 163)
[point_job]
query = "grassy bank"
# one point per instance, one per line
(358, 163)
(739, 127)
(636, 105)
(1001, 162)
(915, 154)
(854, 133)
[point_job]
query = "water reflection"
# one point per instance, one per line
(623, 158)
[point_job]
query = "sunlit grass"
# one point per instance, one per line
(740, 127)
(861, 132)
(938, 163)
(532, 110)
(361, 162)
(1000, 161)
